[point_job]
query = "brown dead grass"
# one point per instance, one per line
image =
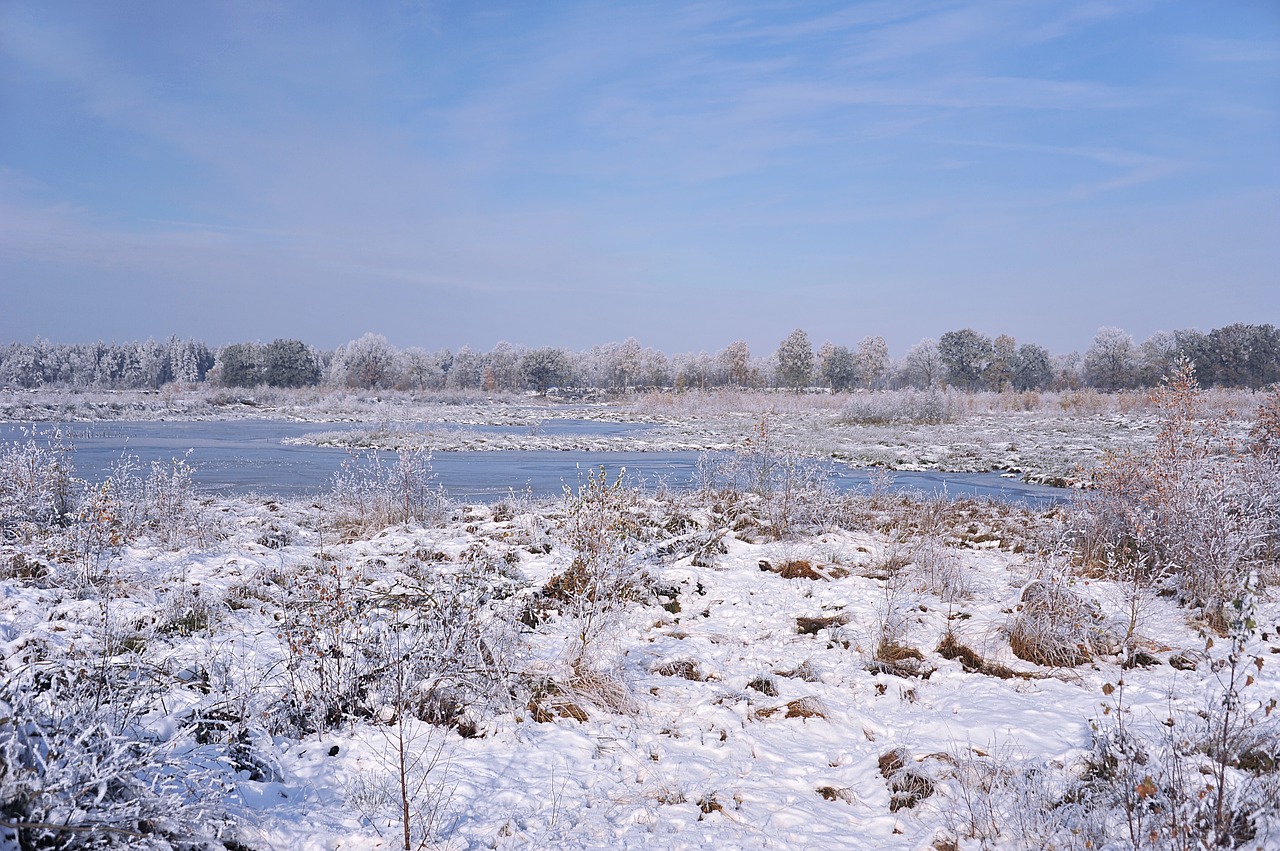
(804, 569)
(973, 662)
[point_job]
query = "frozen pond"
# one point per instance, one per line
(248, 456)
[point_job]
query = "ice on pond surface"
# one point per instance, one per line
(261, 456)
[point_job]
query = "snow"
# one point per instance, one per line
(683, 706)
(709, 762)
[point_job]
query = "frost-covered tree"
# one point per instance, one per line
(366, 363)
(692, 370)
(872, 362)
(1156, 358)
(24, 365)
(1241, 355)
(290, 363)
(420, 369)
(967, 355)
(543, 368)
(467, 371)
(189, 360)
(735, 363)
(1004, 353)
(1066, 371)
(1109, 363)
(80, 364)
(625, 364)
(794, 361)
(1031, 368)
(502, 368)
(922, 366)
(240, 365)
(837, 367)
(1193, 344)
(153, 363)
(655, 368)
(591, 367)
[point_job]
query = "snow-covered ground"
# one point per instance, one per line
(1048, 449)
(765, 665)
(747, 692)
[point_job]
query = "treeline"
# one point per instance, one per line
(1238, 355)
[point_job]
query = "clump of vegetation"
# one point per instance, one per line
(1057, 627)
(899, 407)
(369, 493)
(1196, 780)
(1196, 516)
(602, 531)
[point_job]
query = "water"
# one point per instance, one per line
(247, 456)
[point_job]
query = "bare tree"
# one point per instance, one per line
(923, 366)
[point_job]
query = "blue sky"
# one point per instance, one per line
(564, 173)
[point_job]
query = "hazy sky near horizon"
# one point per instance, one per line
(573, 173)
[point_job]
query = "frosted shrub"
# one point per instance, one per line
(897, 407)
(432, 646)
(369, 493)
(772, 489)
(169, 504)
(1007, 801)
(941, 571)
(1192, 779)
(1193, 512)
(1262, 481)
(37, 482)
(165, 505)
(78, 772)
(602, 531)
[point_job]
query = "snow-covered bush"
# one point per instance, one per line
(437, 644)
(767, 488)
(1057, 626)
(79, 769)
(1193, 512)
(602, 532)
(898, 407)
(1004, 800)
(1192, 779)
(368, 493)
(37, 482)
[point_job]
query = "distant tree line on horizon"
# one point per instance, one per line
(1237, 355)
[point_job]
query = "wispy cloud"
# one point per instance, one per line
(1261, 51)
(478, 154)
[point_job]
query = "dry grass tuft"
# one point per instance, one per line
(832, 793)
(549, 702)
(972, 662)
(806, 707)
(804, 569)
(685, 669)
(812, 626)
(907, 786)
(1056, 627)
